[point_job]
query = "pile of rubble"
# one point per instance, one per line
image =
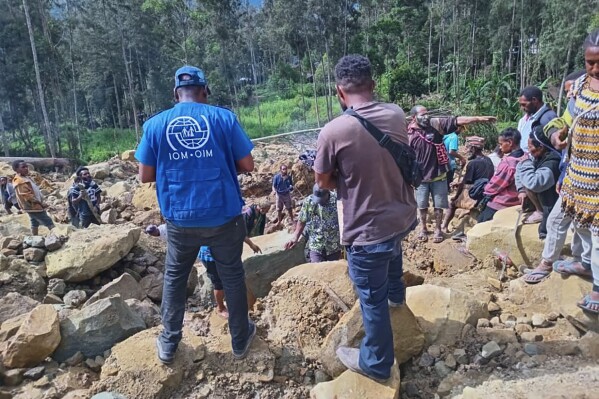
(79, 312)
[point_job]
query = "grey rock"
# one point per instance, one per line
(483, 323)
(13, 377)
(523, 320)
(152, 285)
(411, 390)
(426, 360)
(34, 241)
(126, 286)
(495, 321)
(148, 310)
(96, 328)
(52, 299)
(540, 321)
(490, 350)
(553, 316)
(480, 360)
(532, 349)
(53, 242)
(461, 356)
(434, 351)
(531, 337)
(92, 365)
(56, 286)
(35, 373)
(321, 376)
(133, 274)
(441, 369)
(14, 304)
(99, 360)
(451, 362)
(75, 359)
(75, 298)
(34, 254)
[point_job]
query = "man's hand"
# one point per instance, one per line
(559, 139)
(290, 244)
(255, 248)
(522, 197)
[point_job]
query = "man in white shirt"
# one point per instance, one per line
(535, 111)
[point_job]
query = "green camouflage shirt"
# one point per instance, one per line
(322, 225)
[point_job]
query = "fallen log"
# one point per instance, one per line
(40, 163)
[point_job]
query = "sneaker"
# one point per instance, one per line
(350, 359)
(238, 355)
(166, 357)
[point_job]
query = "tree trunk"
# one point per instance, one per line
(430, 45)
(40, 90)
(40, 163)
(5, 146)
(131, 89)
(313, 83)
(119, 112)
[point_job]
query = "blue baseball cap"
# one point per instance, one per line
(190, 76)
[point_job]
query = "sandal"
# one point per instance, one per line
(438, 238)
(535, 277)
(423, 236)
(535, 217)
(567, 268)
(585, 305)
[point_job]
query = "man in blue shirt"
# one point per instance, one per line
(194, 152)
(452, 145)
(282, 185)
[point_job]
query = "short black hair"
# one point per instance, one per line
(592, 40)
(416, 109)
(81, 169)
(574, 75)
(353, 72)
(16, 164)
(532, 91)
(511, 134)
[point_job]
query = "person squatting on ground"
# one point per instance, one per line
(558, 223)
(536, 112)
(194, 152)
(373, 192)
(8, 197)
(478, 167)
(500, 191)
(537, 174)
(426, 138)
(282, 186)
(82, 187)
(580, 190)
(318, 217)
(29, 197)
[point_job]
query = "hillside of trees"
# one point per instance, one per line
(72, 69)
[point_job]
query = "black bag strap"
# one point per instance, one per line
(382, 138)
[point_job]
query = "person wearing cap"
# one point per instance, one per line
(194, 151)
(479, 166)
(84, 213)
(319, 218)
(379, 210)
(536, 177)
(282, 185)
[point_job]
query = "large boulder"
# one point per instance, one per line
(10, 327)
(96, 328)
(17, 225)
(262, 269)
(408, 338)
(133, 369)
(351, 385)
(306, 303)
(91, 251)
(100, 170)
(37, 337)
(126, 286)
(499, 233)
(555, 294)
(443, 312)
(144, 197)
(152, 284)
(118, 189)
(15, 304)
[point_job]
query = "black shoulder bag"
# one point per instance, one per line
(403, 154)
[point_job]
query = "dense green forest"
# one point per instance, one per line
(79, 77)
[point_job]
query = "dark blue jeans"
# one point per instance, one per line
(376, 271)
(226, 246)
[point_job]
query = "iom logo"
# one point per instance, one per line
(188, 133)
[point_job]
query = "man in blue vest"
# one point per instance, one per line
(194, 152)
